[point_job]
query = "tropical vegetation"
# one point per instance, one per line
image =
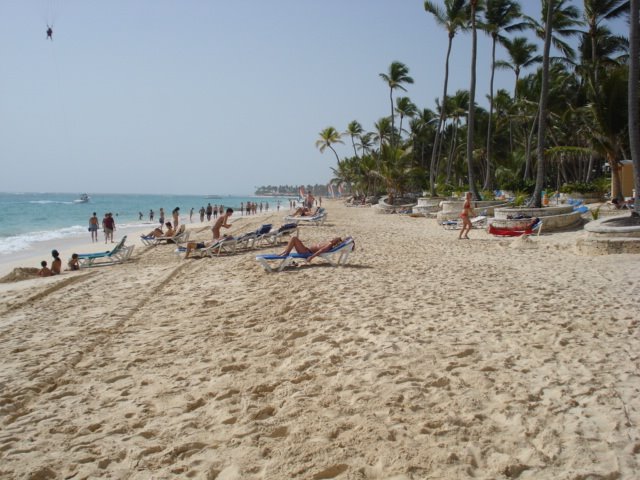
(567, 120)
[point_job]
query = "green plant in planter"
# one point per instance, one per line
(595, 212)
(488, 195)
(520, 199)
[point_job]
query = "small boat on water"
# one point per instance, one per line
(84, 198)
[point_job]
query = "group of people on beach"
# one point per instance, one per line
(108, 227)
(56, 265)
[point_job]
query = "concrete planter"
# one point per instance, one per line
(429, 205)
(603, 238)
(553, 218)
(451, 208)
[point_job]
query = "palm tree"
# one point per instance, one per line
(384, 131)
(536, 199)
(453, 17)
(565, 22)
(354, 130)
(458, 107)
(366, 143)
(608, 105)
(328, 137)
(472, 100)
(634, 85)
(396, 77)
(499, 16)
(405, 108)
(595, 12)
(521, 55)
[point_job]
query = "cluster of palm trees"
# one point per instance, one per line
(572, 115)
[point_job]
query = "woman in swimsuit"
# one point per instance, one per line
(314, 250)
(467, 211)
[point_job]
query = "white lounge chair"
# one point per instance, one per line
(476, 222)
(274, 236)
(181, 236)
(119, 254)
(317, 219)
(338, 255)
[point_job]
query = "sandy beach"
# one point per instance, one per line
(426, 357)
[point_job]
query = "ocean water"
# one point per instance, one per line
(29, 218)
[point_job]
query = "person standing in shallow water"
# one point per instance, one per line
(93, 227)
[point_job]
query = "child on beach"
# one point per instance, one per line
(73, 263)
(44, 271)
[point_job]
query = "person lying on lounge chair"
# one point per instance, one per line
(618, 204)
(296, 244)
(304, 212)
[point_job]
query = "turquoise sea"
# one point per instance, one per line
(29, 218)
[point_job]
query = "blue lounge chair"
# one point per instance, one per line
(341, 251)
(119, 254)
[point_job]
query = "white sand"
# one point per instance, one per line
(425, 357)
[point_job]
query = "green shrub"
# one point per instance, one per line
(580, 187)
(519, 185)
(520, 199)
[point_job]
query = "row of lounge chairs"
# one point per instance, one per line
(265, 235)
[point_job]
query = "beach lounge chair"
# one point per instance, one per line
(339, 255)
(181, 236)
(476, 222)
(316, 219)
(581, 209)
(273, 237)
(120, 253)
(534, 227)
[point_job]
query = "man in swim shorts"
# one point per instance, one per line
(93, 227)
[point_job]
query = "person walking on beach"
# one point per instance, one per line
(108, 225)
(221, 222)
(191, 215)
(151, 213)
(93, 227)
(467, 212)
(161, 216)
(140, 215)
(215, 212)
(202, 214)
(209, 211)
(176, 217)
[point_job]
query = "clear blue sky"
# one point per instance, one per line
(206, 96)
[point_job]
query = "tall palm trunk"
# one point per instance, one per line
(436, 140)
(488, 179)
(536, 200)
(472, 101)
(392, 140)
(634, 113)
